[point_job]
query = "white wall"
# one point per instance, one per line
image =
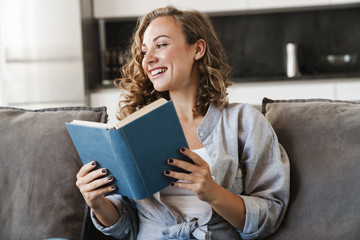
(41, 53)
(2, 54)
(108, 98)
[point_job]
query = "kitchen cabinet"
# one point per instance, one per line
(125, 8)
(343, 1)
(275, 4)
(253, 93)
(210, 6)
(280, 4)
(348, 90)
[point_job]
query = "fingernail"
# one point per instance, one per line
(182, 149)
(166, 172)
(170, 160)
(104, 170)
(93, 163)
(172, 184)
(110, 177)
(113, 186)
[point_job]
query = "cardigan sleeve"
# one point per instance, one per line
(127, 225)
(266, 178)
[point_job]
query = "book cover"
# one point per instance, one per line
(136, 153)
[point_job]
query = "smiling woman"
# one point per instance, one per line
(168, 55)
(237, 185)
(190, 27)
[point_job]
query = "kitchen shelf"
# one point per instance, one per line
(309, 77)
(108, 84)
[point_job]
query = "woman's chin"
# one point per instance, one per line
(160, 88)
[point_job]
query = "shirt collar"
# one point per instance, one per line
(209, 122)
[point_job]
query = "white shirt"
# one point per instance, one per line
(185, 200)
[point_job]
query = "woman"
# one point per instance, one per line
(239, 182)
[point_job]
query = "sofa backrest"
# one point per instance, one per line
(322, 139)
(38, 166)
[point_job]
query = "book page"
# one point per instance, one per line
(141, 112)
(92, 124)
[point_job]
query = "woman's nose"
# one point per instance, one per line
(150, 57)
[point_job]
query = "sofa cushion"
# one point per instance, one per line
(38, 166)
(322, 139)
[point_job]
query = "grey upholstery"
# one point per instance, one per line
(322, 139)
(38, 166)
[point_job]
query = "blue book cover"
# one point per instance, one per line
(136, 153)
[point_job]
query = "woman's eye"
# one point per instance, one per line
(160, 45)
(143, 53)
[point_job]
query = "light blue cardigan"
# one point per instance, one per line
(249, 161)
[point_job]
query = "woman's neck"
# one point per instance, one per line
(184, 104)
(184, 101)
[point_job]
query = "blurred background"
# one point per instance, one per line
(67, 52)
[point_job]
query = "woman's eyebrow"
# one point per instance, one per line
(160, 36)
(156, 38)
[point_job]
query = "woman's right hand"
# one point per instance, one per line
(91, 184)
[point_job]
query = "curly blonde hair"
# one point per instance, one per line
(138, 90)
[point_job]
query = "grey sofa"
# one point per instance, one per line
(38, 164)
(322, 139)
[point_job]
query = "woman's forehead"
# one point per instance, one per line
(162, 26)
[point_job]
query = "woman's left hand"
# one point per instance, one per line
(227, 204)
(199, 181)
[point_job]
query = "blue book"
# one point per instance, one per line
(136, 150)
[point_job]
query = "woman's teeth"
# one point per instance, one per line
(157, 71)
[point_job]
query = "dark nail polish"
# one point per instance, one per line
(182, 149)
(113, 186)
(103, 171)
(93, 163)
(172, 184)
(170, 160)
(166, 172)
(110, 178)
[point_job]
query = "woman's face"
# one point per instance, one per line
(168, 60)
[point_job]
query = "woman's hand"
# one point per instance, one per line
(91, 184)
(225, 203)
(199, 181)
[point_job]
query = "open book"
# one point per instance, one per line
(135, 151)
(126, 120)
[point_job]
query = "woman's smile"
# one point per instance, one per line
(157, 71)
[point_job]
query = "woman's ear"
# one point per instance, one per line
(200, 48)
